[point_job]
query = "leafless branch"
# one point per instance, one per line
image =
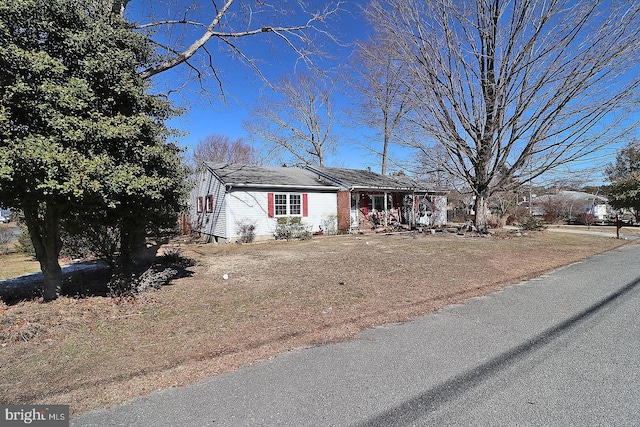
(223, 24)
(297, 120)
(512, 90)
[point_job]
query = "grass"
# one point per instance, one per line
(16, 264)
(96, 352)
(13, 263)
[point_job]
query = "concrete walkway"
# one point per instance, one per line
(561, 350)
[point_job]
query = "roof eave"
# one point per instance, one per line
(282, 186)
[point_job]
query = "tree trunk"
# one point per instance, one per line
(385, 152)
(132, 247)
(44, 231)
(52, 273)
(481, 208)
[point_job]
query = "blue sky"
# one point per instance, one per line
(206, 115)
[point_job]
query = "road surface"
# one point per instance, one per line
(560, 350)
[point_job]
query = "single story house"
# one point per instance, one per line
(367, 200)
(571, 204)
(227, 195)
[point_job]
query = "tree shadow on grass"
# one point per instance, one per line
(98, 278)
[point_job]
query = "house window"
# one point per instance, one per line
(209, 203)
(295, 204)
(287, 205)
(281, 204)
(376, 203)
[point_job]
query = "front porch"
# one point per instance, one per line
(378, 211)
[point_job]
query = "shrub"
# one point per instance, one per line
(329, 224)
(586, 219)
(290, 228)
(168, 266)
(246, 229)
(533, 223)
(551, 218)
(175, 258)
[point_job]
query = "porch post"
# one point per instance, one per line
(386, 209)
(413, 215)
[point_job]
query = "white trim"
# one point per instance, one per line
(287, 205)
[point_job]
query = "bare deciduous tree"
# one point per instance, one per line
(297, 120)
(221, 149)
(196, 33)
(383, 100)
(513, 89)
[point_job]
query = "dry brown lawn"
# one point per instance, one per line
(96, 352)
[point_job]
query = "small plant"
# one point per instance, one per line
(122, 285)
(533, 224)
(174, 257)
(586, 219)
(154, 278)
(290, 228)
(246, 229)
(168, 266)
(329, 224)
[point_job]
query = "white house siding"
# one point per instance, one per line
(211, 220)
(600, 212)
(321, 207)
(252, 206)
(249, 206)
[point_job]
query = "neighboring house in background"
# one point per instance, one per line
(354, 200)
(226, 195)
(368, 200)
(572, 204)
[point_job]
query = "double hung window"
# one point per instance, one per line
(287, 204)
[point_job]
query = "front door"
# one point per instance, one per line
(355, 220)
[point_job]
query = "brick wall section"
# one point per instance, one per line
(344, 210)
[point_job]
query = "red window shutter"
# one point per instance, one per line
(271, 205)
(305, 204)
(210, 203)
(417, 204)
(200, 204)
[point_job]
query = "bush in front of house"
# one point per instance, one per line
(246, 229)
(329, 224)
(290, 228)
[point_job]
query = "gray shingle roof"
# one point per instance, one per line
(310, 176)
(575, 196)
(247, 175)
(366, 179)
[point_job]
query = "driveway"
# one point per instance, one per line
(561, 350)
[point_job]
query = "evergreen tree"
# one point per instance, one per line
(83, 145)
(624, 175)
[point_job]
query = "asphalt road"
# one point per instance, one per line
(560, 350)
